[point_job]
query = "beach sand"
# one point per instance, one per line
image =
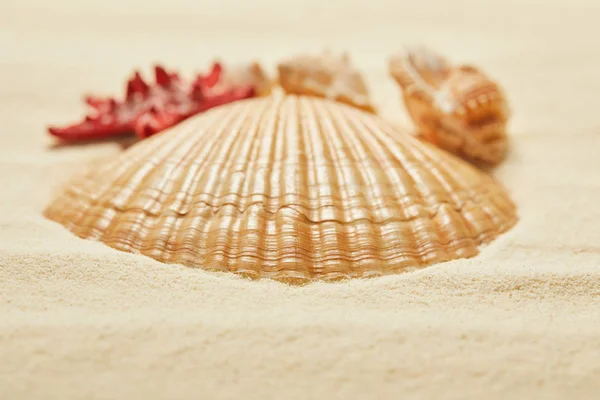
(521, 320)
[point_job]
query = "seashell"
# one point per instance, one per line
(293, 188)
(326, 75)
(458, 108)
(251, 74)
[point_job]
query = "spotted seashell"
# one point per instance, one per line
(457, 108)
(293, 188)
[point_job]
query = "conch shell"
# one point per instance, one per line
(325, 75)
(293, 188)
(458, 108)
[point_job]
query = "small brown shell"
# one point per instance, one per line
(287, 187)
(457, 108)
(326, 75)
(248, 74)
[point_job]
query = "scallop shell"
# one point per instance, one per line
(458, 108)
(293, 188)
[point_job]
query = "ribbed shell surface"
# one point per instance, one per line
(287, 187)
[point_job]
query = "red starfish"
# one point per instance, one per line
(148, 109)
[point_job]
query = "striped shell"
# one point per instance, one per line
(287, 187)
(458, 108)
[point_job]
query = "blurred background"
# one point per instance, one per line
(53, 51)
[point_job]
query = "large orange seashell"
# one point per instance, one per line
(293, 188)
(458, 108)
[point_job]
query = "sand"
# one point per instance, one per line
(521, 320)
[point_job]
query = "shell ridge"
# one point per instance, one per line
(295, 128)
(282, 225)
(311, 179)
(306, 254)
(138, 151)
(264, 266)
(89, 179)
(481, 235)
(277, 152)
(493, 215)
(453, 190)
(266, 153)
(174, 232)
(362, 236)
(385, 145)
(475, 192)
(202, 152)
(251, 166)
(407, 202)
(236, 170)
(452, 244)
(305, 125)
(358, 202)
(268, 122)
(364, 147)
(217, 206)
(218, 183)
(216, 180)
(413, 205)
(413, 159)
(126, 190)
(161, 234)
(209, 170)
(422, 231)
(293, 207)
(71, 215)
(338, 237)
(189, 185)
(157, 150)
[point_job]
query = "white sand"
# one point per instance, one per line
(522, 320)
